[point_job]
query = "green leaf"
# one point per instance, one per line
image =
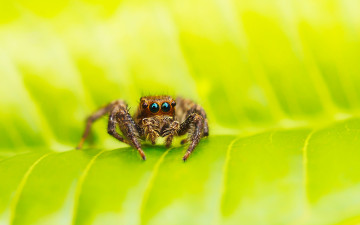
(284, 176)
(279, 81)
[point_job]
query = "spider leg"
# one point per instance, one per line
(118, 115)
(185, 107)
(112, 129)
(196, 131)
(198, 109)
(121, 116)
(206, 127)
(168, 141)
(91, 119)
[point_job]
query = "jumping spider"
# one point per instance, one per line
(155, 117)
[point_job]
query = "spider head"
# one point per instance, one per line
(157, 106)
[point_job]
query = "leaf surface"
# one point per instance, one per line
(283, 176)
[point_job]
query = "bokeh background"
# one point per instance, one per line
(279, 79)
(251, 64)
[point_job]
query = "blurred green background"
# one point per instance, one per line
(283, 67)
(250, 64)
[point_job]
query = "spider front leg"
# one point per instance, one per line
(120, 115)
(198, 129)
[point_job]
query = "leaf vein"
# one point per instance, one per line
(226, 167)
(305, 159)
(80, 184)
(305, 175)
(15, 201)
(151, 182)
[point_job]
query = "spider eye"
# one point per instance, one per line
(165, 107)
(154, 108)
(144, 105)
(173, 103)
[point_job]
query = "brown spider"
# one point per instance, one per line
(155, 117)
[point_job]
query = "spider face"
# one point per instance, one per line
(151, 106)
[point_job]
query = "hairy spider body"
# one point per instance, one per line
(156, 116)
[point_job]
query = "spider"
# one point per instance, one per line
(155, 117)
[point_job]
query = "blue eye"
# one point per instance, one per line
(165, 107)
(154, 108)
